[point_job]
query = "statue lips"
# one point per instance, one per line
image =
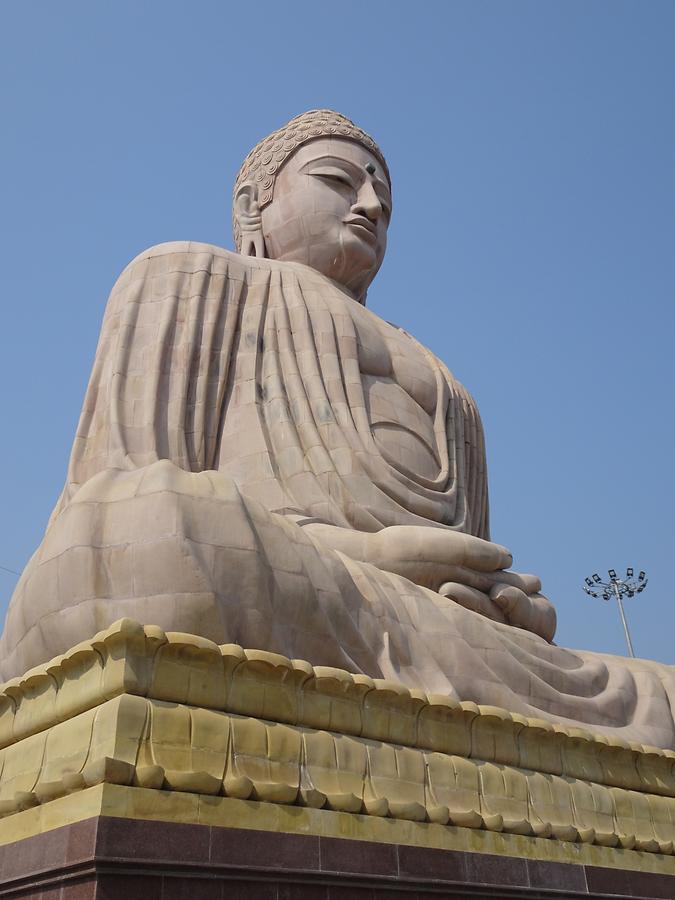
(364, 227)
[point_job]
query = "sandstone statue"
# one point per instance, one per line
(262, 460)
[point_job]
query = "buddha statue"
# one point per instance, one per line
(262, 460)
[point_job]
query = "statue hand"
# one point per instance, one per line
(470, 572)
(506, 597)
(427, 556)
(432, 556)
(460, 566)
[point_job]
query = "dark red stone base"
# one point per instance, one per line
(119, 859)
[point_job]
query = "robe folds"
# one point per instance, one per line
(225, 410)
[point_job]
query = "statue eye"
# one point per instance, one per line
(334, 174)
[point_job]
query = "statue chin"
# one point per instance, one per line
(360, 268)
(346, 258)
(352, 269)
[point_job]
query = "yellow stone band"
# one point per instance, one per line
(141, 709)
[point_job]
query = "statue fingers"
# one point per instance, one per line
(447, 548)
(547, 618)
(481, 581)
(533, 613)
(484, 556)
(473, 599)
(510, 599)
(529, 584)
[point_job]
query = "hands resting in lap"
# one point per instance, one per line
(465, 568)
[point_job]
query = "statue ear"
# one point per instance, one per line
(249, 220)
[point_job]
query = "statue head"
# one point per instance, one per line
(317, 192)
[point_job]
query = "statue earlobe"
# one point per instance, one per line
(249, 220)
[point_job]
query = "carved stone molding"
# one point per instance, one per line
(135, 706)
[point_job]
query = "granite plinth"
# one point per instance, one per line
(109, 857)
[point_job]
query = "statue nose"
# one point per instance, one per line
(368, 203)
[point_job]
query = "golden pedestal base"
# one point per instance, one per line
(141, 725)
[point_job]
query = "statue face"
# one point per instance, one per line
(330, 210)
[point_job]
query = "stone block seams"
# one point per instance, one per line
(107, 857)
(174, 713)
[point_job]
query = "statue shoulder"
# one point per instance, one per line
(168, 269)
(193, 255)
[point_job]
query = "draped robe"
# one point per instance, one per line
(226, 409)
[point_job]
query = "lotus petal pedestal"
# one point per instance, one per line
(152, 764)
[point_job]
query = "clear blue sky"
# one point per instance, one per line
(532, 146)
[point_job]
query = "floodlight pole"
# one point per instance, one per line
(617, 594)
(630, 585)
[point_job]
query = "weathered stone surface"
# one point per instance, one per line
(261, 460)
